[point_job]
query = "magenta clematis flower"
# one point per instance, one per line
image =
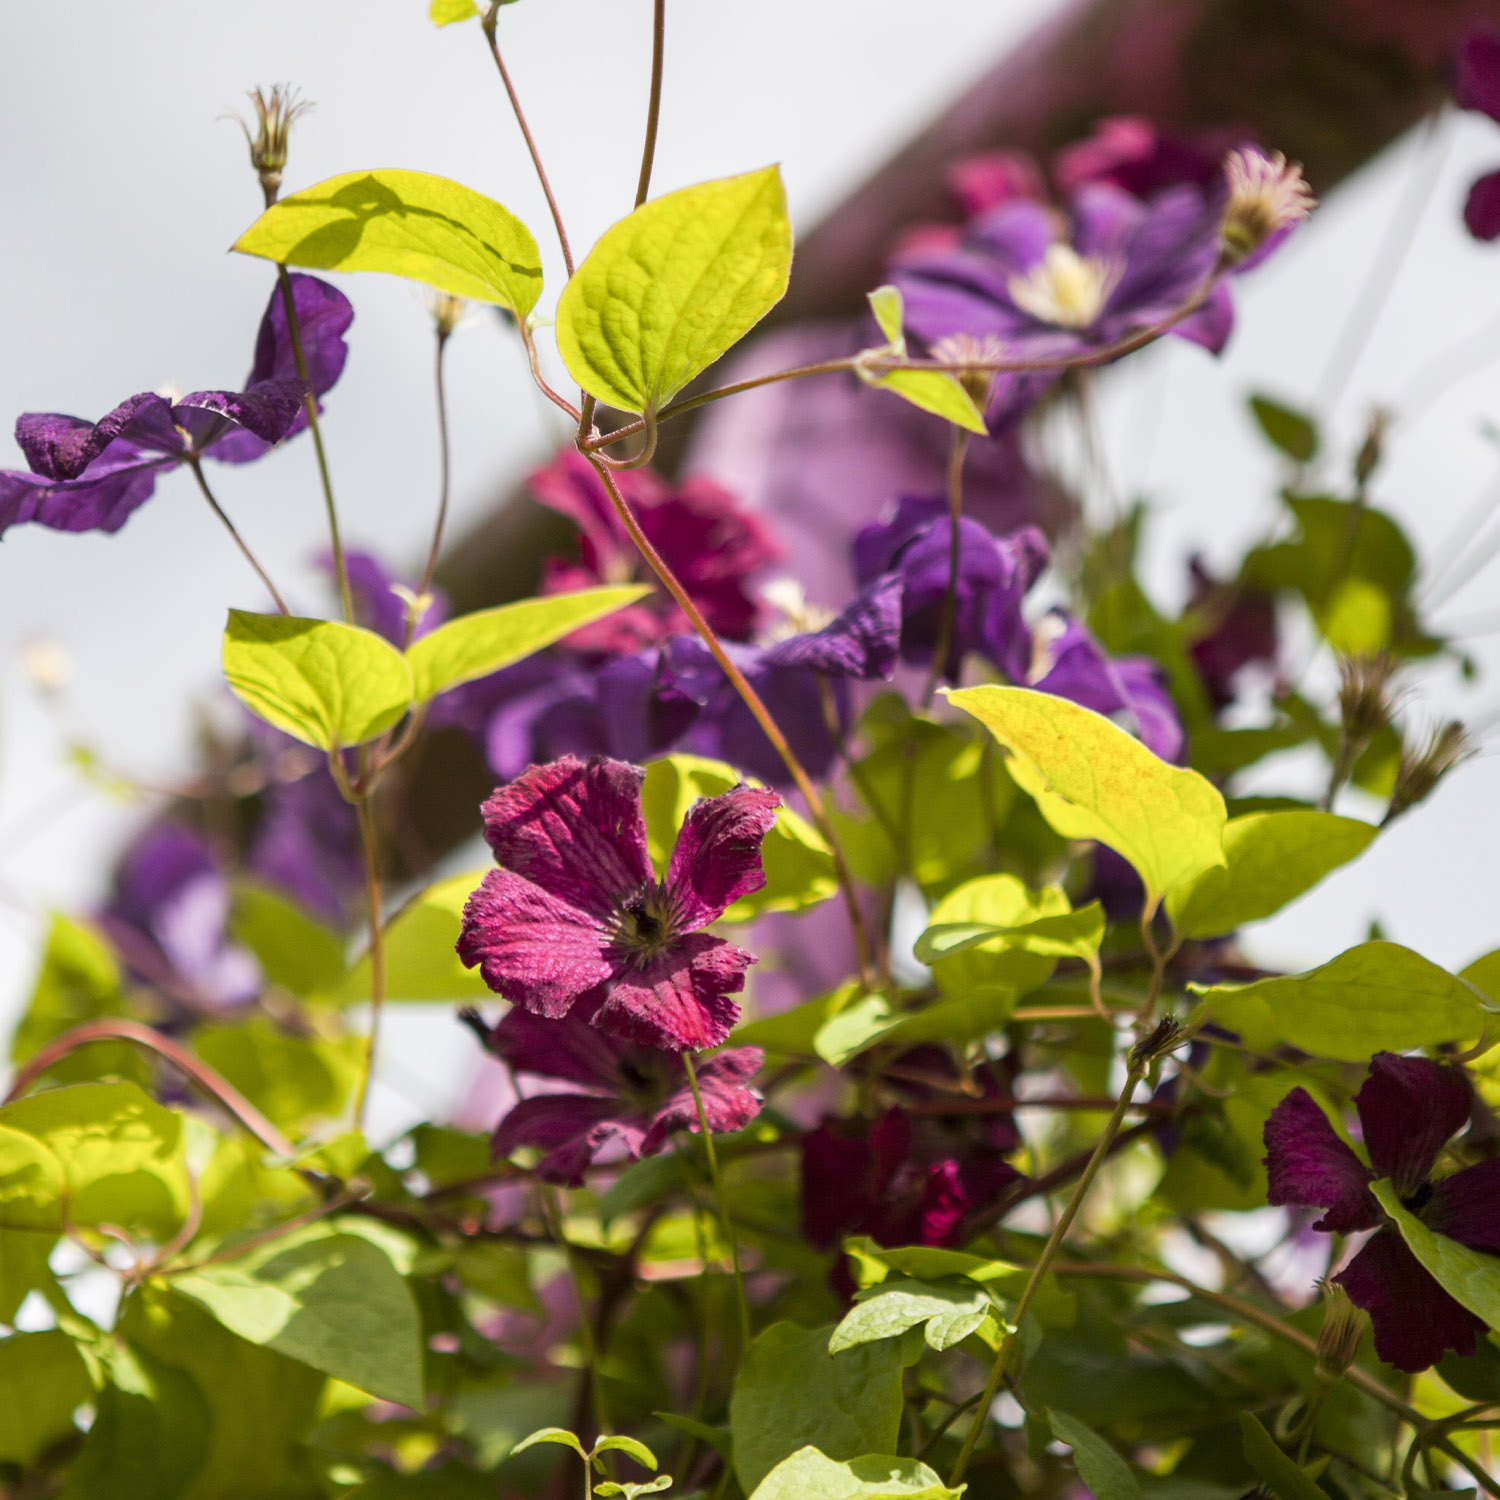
(575, 914)
(1476, 85)
(1408, 1107)
(91, 476)
(711, 543)
(1239, 632)
(614, 1095)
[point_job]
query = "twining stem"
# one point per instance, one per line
(194, 1068)
(310, 406)
(752, 701)
(1248, 1312)
(723, 1203)
(444, 472)
(196, 466)
(520, 114)
(370, 846)
(958, 448)
(653, 109)
(1039, 1270)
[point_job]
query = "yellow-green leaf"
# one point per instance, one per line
(323, 682)
(1092, 780)
(931, 390)
(419, 957)
(446, 12)
(475, 645)
(1270, 859)
(410, 224)
(669, 289)
(1005, 908)
(1468, 1276)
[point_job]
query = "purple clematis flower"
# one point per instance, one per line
(1239, 631)
(1136, 154)
(1476, 85)
(614, 1095)
(711, 543)
(91, 476)
(576, 914)
(1408, 1107)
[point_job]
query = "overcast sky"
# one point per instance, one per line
(123, 186)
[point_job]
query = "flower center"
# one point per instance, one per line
(1065, 288)
(646, 924)
(1417, 1201)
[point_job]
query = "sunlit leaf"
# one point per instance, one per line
(947, 1312)
(45, 1380)
(420, 963)
(296, 951)
(929, 390)
(809, 1474)
(446, 12)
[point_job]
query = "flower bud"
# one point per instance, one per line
(448, 312)
(1163, 1037)
(1367, 696)
(275, 114)
(1371, 451)
(1344, 1326)
(1419, 773)
(1267, 194)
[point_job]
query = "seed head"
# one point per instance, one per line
(1266, 194)
(968, 359)
(276, 111)
(1419, 773)
(1344, 1326)
(1367, 695)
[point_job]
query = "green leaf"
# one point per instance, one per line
(926, 1262)
(1468, 1276)
(793, 1032)
(293, 1079)
(1271, 858)
(808, 1474)
(559, 1435)
(797, 861)
(25, 1256)
(79, 981)
(717, 1438)
(618, 1443)
(849, 1031)
(1106, 1474)
(297, 952)
(949, 1313)
(1091, 780)
(630, 1491)
(1484, 975)
(446, 12)
(419, 957)
(930, 390)
(333, 1301)
(1286, 429)
(1286, 1480)
(473, 646)
(323, 682)
(97, 1152)
(45, 1380)
(410, 224)
(790, 1391)
(1376, 997)
(669, 289)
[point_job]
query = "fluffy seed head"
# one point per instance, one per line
(1419, 773)
(1266, 194)
(276, 111)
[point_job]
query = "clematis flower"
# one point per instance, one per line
(576, 914)
(612, 1094)
(1136, 154)
(710, 542)
(91, 476)
(1476, 85)
(1239, 630)
(1409, 1107)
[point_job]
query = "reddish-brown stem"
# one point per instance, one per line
(653, 108)
(959, 447)
(752, 701)
(520, 114)
(560, 402)
(217, 1088)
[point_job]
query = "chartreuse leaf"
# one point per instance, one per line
(296, 951)
(293, 1079)
(559, 1435)
(797, 861)
(1284, 1478)
(1288, 430)
(1484, 975)
(632, 1447)
(1106, 1474)
(45, 1380)
(874, 1262)
(790, 1391)
(669, 289)
(963, 1019)
(1091, 780)
(333, 1301)
(410, 224)
(930, 390)
(92, 1153)
(609, 1487)
(446, 12)
(475, 645)
(808, 1474)
(1468, 1276)
(1270, 859)
(24, 1261)
(79, 981)
(419, 957)
(323, 682)
(948, 1312)
(1376, 997)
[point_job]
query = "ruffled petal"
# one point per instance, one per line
(572, 1129)
(1466, 1207)
(728, 1102)
(679, 1001)
(265, 411)
(570, 1048)
(1409, 1107)
(862, 642)
(716, 858)
(1308, 1166)
(532, 947)
(59, 447)
(100, 502)
(1415, 1320)
(575, 829)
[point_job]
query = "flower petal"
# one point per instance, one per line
(1482, 207)
(728, 1103)
(1415, 1320)
(570, 1048)
(575, 829)
(680, 1000)
(60, 447)
(99, 502)
(1476, 71)
(1310, 1167)
(1466, 1207)
(532, 947)
(861, 642)
(1409, 1107)
(572, 1129)
(716, 858)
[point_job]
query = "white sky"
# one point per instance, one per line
(122, 188)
